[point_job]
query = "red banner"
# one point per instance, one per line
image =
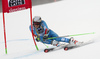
(15, 5)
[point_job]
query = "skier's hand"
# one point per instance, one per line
(37, 38)
(45, 37)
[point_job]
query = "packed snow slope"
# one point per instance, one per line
(65, 17)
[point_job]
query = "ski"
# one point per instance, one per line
(68, 47)
(47, 50)
(54, 48)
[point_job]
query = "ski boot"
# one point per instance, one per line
(55, 43)
(74, 42)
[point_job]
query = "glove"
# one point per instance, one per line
(45, 37)
(37, 38)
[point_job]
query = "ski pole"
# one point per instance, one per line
(72, 35)
(45, 45)
(45, 33)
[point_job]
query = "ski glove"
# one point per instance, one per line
(37, 38)
(45, 37)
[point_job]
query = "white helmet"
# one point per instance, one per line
(37, 19)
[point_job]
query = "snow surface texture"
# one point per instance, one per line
(64, 17)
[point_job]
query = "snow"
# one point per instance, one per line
(65, 17)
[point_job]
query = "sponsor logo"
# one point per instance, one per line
(15, 2)
(17, 9)
(63, 39)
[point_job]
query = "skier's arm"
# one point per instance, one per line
(45, 25)
(46, 28)
(45, 37)
(33, 30)
(30, 28)
(35, 36)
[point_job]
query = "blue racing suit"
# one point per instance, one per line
(41, 31)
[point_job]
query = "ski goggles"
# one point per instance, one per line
(36, 23)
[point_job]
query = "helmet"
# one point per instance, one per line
(37, 20)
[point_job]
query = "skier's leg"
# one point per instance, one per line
(71, 41)
(56, 41)
(52, 34)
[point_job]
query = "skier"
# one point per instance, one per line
(42, 33)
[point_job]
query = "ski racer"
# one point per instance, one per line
(42, 33)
